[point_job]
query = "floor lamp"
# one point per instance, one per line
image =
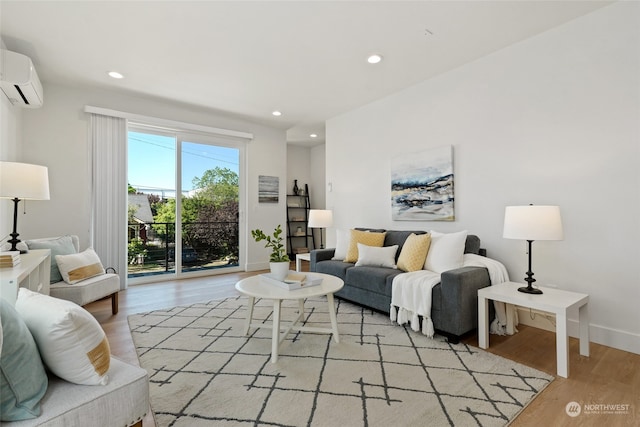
(22, 181)
(320, 218)
(532, 223)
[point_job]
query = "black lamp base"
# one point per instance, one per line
(530, 290)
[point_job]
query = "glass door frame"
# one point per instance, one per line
(207, 139)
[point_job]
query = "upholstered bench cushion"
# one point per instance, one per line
(335, 268)
(122, 402)
(88, 290)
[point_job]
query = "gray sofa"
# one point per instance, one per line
(454, 307)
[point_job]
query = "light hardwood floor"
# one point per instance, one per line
(607, 377)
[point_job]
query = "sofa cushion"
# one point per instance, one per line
(414, 252)
(88, 290)
(59, 246)
(366, 238)
(122, 402)
(374, 279)
(75, 268)
(23, 380)
(71, 341)
(446, 251)
(335, 268)
(377, 257)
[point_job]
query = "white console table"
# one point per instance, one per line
(33, 272)
(554, 301)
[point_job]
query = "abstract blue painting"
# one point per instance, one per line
(422, 186)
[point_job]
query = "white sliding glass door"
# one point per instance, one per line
(193, 230)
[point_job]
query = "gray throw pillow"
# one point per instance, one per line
(23, 380)
(59, 246)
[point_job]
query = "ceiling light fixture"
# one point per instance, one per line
(374, 59)
(277, 113)
(313, 135)
(115, 75)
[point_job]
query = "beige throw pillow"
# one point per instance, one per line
(71, 342)
(77, 267)
(364, 237)
(414, 252)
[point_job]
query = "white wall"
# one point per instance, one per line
(10, 124)
(56, 135)
(551, 120)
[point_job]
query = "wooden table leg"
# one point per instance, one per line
(483, 322)
(247, 320)
(562, 344)
(332, 316)
(275, 336)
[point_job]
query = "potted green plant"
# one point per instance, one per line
(278, 260)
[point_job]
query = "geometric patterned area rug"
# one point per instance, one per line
(203, 371)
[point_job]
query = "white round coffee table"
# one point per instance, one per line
(254, 287)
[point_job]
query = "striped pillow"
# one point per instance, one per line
(75, 268)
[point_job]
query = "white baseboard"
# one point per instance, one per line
(256, 266)
(615, 338)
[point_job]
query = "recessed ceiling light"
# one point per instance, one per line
(313, 135)
(277, 113)
(115, 75)
(374, 59)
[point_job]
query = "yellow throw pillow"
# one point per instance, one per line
(414, 252)
(364, 237)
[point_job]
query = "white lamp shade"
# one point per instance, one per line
(533, 223)
(24, 181)
(320, 218)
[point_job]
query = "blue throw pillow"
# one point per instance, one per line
(60, 246)
(23, 380)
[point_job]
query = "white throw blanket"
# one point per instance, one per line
(411, 297)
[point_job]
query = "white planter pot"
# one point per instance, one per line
(279, 270)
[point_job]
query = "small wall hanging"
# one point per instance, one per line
(268, 189)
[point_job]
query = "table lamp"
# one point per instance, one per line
(320, 218)
(22, 181)
(532, 223)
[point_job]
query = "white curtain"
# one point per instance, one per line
(109, 192)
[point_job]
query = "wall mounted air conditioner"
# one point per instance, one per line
(19, 80)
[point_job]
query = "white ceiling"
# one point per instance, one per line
(246, 59)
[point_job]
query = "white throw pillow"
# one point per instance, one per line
(77, 267)
(343, 238)
(446, 251)
(70, 340)
(374, 256)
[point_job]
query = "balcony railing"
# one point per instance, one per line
(205, 245)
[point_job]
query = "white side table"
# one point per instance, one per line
(33, 272)
(300, 258)
(554, 301)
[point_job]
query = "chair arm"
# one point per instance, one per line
(460, 297)
(318, 255)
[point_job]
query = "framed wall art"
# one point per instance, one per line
(422, 186)
(268, 189)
